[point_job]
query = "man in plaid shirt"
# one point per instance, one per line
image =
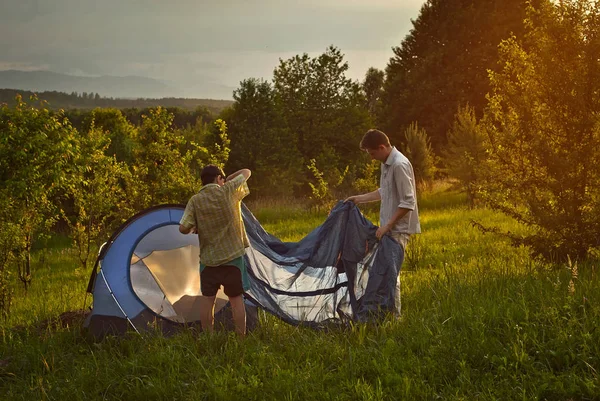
(214, 213)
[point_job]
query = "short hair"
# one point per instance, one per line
(373, 139)
(209, 173)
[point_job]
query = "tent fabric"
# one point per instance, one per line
(148, 273)
(338, 272)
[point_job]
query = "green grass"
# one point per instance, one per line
(481, 320)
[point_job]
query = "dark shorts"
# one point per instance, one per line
(213, 277)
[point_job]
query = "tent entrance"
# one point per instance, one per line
(164, 274)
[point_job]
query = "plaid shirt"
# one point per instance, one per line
(216, 213)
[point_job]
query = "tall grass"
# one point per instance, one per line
(481, 320)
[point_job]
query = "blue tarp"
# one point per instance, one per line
(337, 272)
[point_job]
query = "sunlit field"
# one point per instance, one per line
(481, 320)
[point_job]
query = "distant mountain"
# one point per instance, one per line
(106, 86)
(61, 100)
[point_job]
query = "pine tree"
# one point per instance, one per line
(443, 63)
(466, 151)
(418, 150)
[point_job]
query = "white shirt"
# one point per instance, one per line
(397, 189)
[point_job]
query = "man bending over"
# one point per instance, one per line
(398, 211)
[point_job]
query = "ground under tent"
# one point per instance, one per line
(147, 274)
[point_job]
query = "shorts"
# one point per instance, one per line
(213, 277)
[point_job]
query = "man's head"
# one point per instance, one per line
(376, 144)
(212, 174)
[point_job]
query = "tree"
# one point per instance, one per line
(218, 152)
(442, 63)
(36, 149)
(544, 132)
(322, 108)
(119, 130)
(372, 87)
(256, 128)
(193, 135)
(10, 234)
(162, 172)
(466, 151)
(98, 197)
(418, 151)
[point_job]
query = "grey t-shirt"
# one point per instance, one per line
(397, 189)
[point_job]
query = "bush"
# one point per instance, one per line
(466, 151)
(418, 150)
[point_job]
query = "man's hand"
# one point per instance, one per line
(364, 198)
(245, 172)
(184, 230)
(354, 199)
(381, 231)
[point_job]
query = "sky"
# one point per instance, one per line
(200, 48)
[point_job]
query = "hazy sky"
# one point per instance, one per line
(202, 49)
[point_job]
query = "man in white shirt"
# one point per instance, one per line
(398, 213)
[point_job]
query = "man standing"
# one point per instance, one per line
(398, 212)
(215, 214)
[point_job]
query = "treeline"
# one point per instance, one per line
(182, 118)
(61, 100)
(508, 106)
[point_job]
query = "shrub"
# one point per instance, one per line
(418, 150)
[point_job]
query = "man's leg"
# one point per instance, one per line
(233, 288)
(207, 313)
(239, 314)
(402, 239)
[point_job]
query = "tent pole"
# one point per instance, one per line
(117, 302)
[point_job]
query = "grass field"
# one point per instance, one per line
(481, 321)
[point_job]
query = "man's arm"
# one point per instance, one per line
(236, 187)
(400, 213)
(245, 172)
(364, 198)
